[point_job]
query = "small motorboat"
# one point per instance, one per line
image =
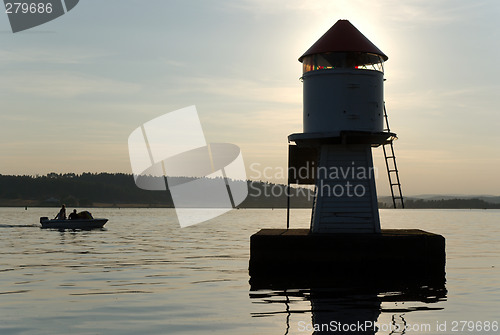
(76, 224)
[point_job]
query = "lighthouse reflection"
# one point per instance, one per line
(345, 310)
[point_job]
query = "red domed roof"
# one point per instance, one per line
(343, 37)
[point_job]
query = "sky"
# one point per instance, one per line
(73, 90)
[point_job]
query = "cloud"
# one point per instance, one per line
(48, 56)
(64, 85)
(280, 6)
(242, 89)
(416, 11)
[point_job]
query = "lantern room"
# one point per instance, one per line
(343, 76)
(343, 60)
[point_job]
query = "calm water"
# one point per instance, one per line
(145, 275)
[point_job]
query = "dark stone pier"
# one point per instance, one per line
(297, 256)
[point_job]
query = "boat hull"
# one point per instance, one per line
(86, 224)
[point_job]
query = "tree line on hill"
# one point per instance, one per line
(445, 204)
(119, 189)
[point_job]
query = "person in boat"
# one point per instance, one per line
(73, 215)
(62, 213)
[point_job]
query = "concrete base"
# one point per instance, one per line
(296, 257)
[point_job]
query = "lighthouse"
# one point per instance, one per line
(343, 83)
(343, 118)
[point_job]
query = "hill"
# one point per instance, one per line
(444, 202)
(120, 190)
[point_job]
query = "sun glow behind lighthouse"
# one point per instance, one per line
(246, 82)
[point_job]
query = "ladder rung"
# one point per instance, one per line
(395, 170)
(389, 157)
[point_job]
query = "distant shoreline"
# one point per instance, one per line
(118, 190)
(20, 203)
(37, 203)
(411, 204)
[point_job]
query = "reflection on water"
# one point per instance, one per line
(356, 301)
(145, 275)
(348, 310)
(349, 281)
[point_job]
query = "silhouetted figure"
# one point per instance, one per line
(62, 213)
(73, 215)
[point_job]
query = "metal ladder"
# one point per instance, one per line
(392, 169)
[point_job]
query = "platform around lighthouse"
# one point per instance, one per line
(278, 255)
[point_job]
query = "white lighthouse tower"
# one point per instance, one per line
(343, 119)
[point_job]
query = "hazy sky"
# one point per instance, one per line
(74, 89)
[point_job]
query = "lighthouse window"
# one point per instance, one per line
(343, 60)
